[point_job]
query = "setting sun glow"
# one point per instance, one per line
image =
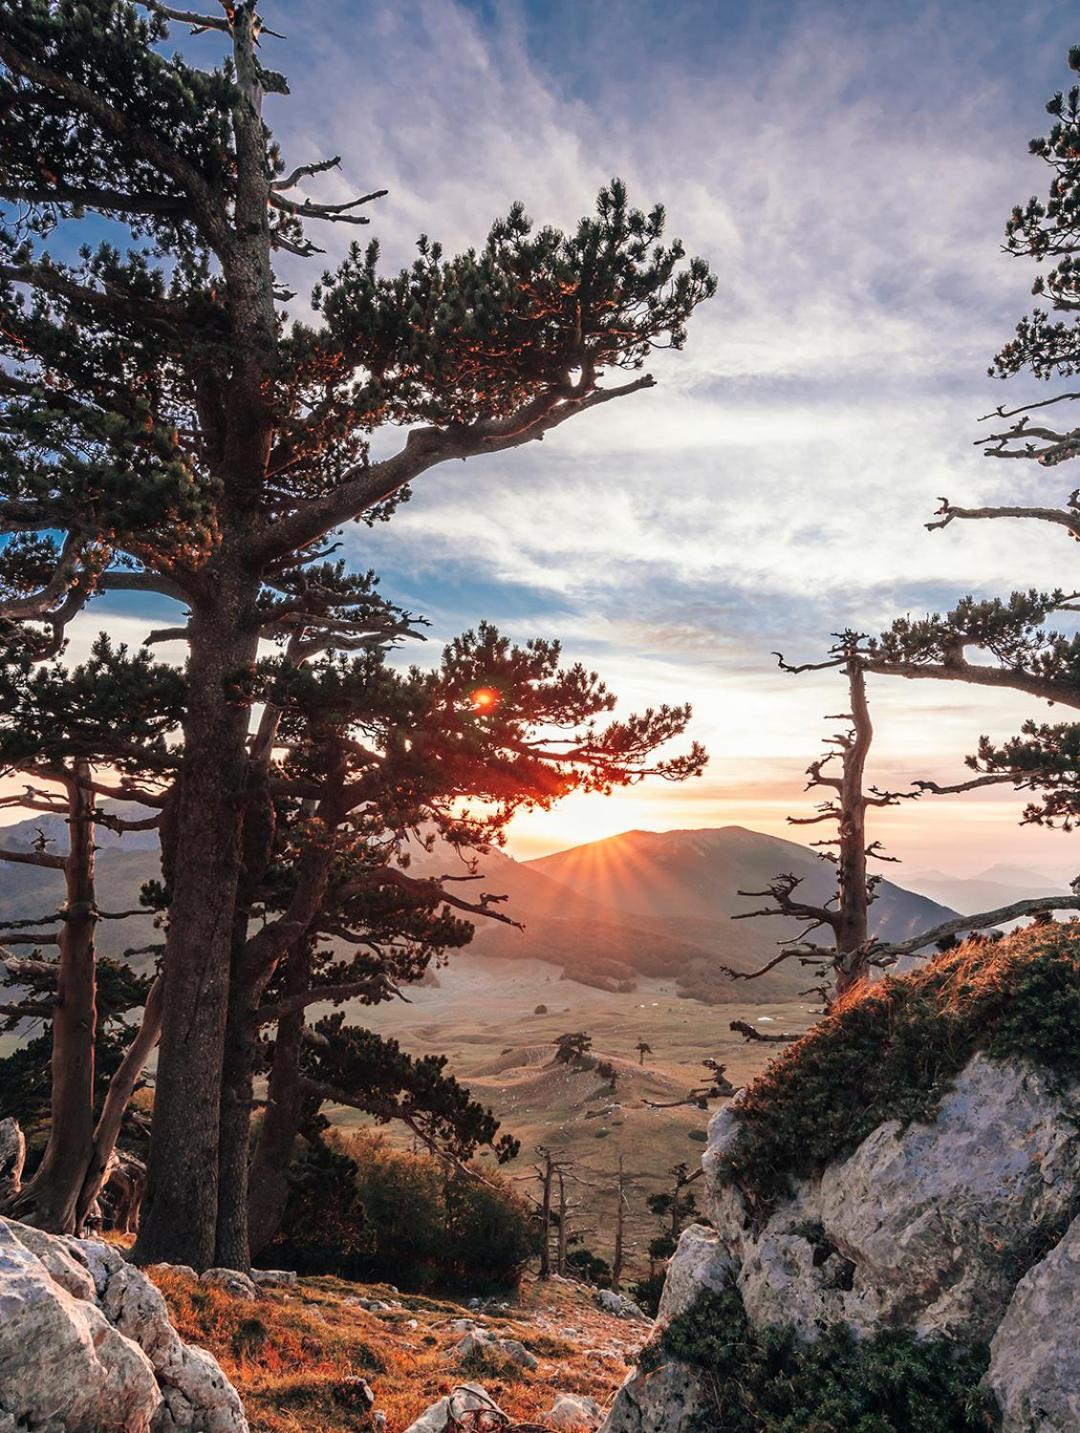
(485, 699)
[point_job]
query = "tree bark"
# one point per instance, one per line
(852, 929)
(620, 1227)
(117, 1098)
(179, 1223)
(268, 1185)
(50, 1200)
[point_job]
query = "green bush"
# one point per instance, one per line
(772, 1383)
(363, 1210)
(893, 1051)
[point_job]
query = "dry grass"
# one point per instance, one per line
(292, 1355)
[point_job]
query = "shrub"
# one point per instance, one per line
(383, 1215)
(770, 1382)
(893, 1050)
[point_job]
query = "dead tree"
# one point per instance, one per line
(852, 951)
(643, 1049)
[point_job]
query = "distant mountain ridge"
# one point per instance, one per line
(607, 913)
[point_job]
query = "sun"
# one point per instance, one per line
(485, 699)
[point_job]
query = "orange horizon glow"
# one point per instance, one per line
(485, 699)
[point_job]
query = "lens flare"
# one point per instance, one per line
(485, 699)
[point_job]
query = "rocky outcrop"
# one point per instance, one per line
(86, 1346)
(928, 1228)
(12, 1157)
(1035, 1354)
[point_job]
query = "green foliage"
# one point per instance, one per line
(770, 1382)
(893, 1051)
(646, 1292)
(366, 1211)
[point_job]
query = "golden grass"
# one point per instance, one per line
(292, 1354)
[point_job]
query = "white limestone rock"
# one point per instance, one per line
(666, 1400)
(1035, 1353)
(86, 1343)
(232, 1281)
(619, 1305)
(700, 1262)
(62, 1364)
(466, 1396)
(916, 1228)
(274, 1278)
(574, 1410)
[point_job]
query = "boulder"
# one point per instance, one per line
(1035, 1353)
(666, 1400)
(465, 1398)
(574, 1410)
(921, 1226)
(232, 1281)
(700, 1262)
(274, 1278)
(12, 1157)
(86, 1344)
(619, 1305)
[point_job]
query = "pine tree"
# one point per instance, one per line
(1025, 654)
(56, 729)
(167, 428)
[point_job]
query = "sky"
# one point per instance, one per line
(847, 170)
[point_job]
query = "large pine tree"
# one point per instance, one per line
(165, 428)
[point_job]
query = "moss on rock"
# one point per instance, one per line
(892, 1051)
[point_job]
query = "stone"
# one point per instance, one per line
(85, 1341)
(183, 1269)
(466, 1397)
(12, 1157)
(666, 1400)
(62, 1365)
(700, 1262)
(515, 1350)
(619, 1305)
(274, 1278)
(574, 1410)
(1035, 1352)
(917, 1227)
(232, 1281)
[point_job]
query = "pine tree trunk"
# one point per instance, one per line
(179, 1222)
(49, 1201)
(117, 1098)
(545, 1215)
(268, 1187)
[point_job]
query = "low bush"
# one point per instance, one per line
(402, 1218)
(771, 1382)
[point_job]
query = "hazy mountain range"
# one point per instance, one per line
(643, 903)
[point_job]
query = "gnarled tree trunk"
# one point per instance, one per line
(50, 1199)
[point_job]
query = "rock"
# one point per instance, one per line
(374, 1306)
(574, 1410)
(232, 1281)
(62, 1364)
(104, 1359)
(700, 1262)
(919, 1227)
(1035, 1353)
(517, 1351)
(273, 1278)
(619, 1305)
(480, 1341)
(667, 1400)
(12, 1157)
(465, 1398)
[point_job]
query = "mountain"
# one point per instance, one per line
(660, 904)
(697, 875)
(997, 886)
(641, 904)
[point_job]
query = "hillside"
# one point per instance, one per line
(643, 904)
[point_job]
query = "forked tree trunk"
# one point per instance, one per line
(117, 1098)
(50, 1200)
(179, 1222)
